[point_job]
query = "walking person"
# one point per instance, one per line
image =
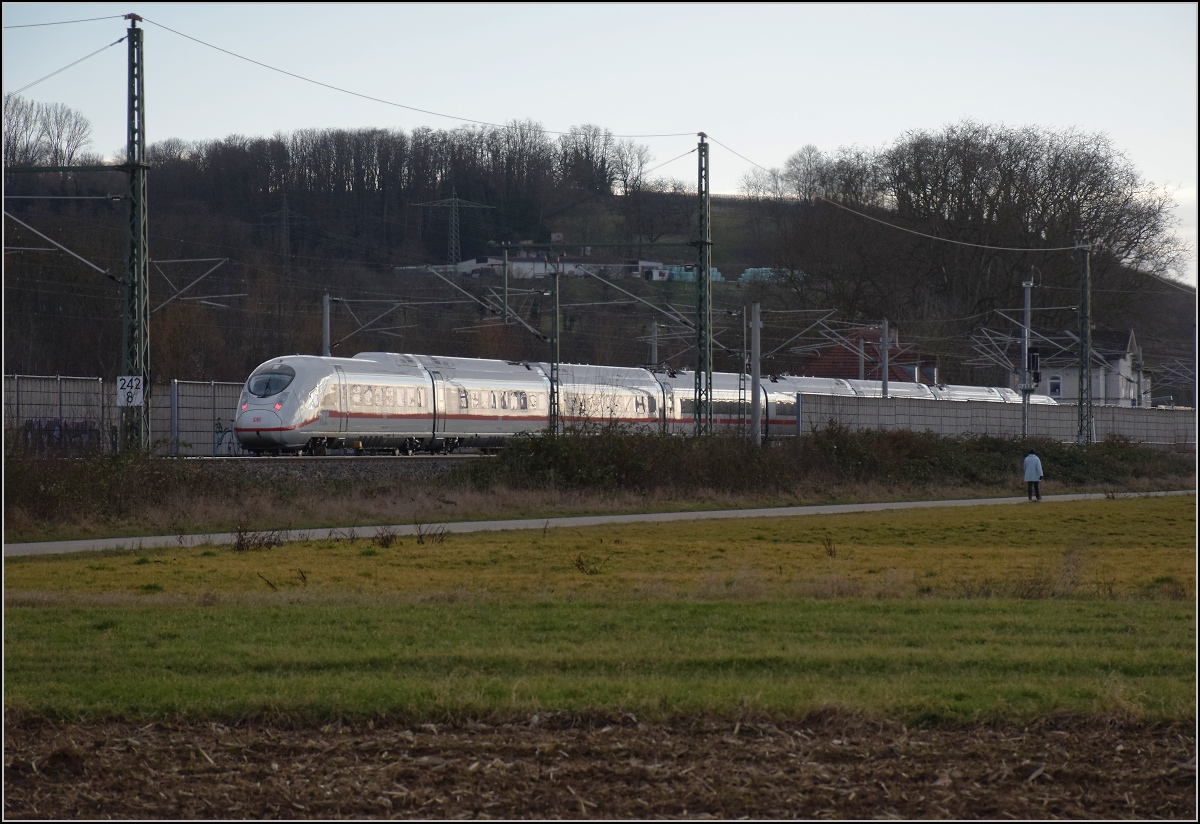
(1033, 476)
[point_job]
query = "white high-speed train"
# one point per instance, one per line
(378, 401)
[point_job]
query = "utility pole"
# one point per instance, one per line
(653, 343)
(1026, 383)
(862, 357)
(135, 332)
(702, 411)
(742, 378)
(454, 252)
(506, 284)
(325, 326)
(1084, 432)
(886, 346)
(756, 409)
(556, 359)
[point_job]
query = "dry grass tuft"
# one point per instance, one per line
(829, 586)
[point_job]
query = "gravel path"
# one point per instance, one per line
(283, 536)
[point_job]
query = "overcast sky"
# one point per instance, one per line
(762, 80)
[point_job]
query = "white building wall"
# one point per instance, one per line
(1115, 384)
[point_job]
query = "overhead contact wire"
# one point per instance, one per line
(64, 22)
(910, 231)
(64, 68)
(369, 97)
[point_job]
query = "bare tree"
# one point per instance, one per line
(43, 134)
(629, 165)
(806, 173)
(23, 141)
(586, 157)
(65, 133)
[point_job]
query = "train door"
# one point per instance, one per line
(438, 401)
(766, 413)
(343, 404)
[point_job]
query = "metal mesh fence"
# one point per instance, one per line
(203, 416)
(67, 414)
(57, 413)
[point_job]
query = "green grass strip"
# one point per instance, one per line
(916, 660)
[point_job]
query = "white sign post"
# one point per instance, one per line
(130, 390)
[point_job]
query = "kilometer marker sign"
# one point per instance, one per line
(129, 390)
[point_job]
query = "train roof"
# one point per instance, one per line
(631, 377)
(896, 389)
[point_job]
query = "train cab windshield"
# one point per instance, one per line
(270, 381)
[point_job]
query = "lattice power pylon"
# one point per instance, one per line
(454, 203)
(135, 333)
(702, 410)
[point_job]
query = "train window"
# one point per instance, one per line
(356, 394)
(1055, 386)
(493, 394)
(368, 396)
(475, 400)
(653, 406)
(463, 402)
(271, 380)
(785, 408)
(639, 404)
(420, 397)
(522, 400)
(504, 400)
(533, 401)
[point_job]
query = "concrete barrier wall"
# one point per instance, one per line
(1168, 427)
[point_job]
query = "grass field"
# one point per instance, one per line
(989, 613)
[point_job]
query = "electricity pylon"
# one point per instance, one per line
(702, 410)
(135, 332)
(454, 203)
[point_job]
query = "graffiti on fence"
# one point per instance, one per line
(223, 441)
(69, 434)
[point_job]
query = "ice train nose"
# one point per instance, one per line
(258, 428)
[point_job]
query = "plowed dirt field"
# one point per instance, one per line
(559, 766)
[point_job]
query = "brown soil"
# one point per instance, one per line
(558, 766)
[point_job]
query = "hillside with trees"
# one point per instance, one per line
(895, 232)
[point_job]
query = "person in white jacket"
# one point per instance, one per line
(1033, 476)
